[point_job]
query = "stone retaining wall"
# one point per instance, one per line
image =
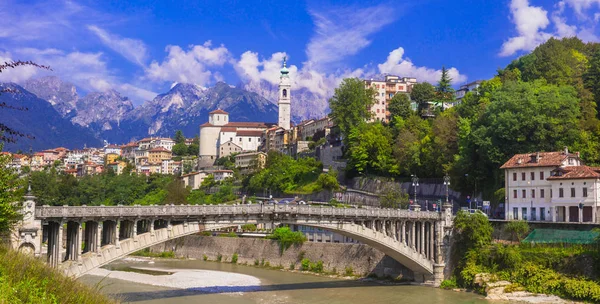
(363, 259)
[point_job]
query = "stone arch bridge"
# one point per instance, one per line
(98, 235)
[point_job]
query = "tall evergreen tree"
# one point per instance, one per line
(179, 138)
(444, 90)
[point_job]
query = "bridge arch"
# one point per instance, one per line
(405, 255)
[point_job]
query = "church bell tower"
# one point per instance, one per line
(284, 97)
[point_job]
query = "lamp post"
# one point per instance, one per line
(447, 184)
(415, 184)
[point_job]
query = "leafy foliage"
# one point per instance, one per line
(399, 106)
(422, 93)
(518, 229)
(287, 237)
(285, 174)
(10, 196)
(351, 103)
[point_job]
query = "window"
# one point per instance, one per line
(284, 93)
(230, 138)
(572, 192)
(533, 213)
(523, 176)
(515, 213)
(514, 176)
(524, 193)
(550, 193)
(514, 193)
(532, 175)
(542, 193)
(541, 175)
(249, 139)
(542, 213)
(382, 95)
(524, 213)
(584, 192)
(561, 192)
(532, 193)
(240, 139)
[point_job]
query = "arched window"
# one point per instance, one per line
(284, 93)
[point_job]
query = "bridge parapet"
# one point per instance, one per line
(194, 211)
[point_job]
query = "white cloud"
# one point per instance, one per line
(529, 21)
(532, 24)
(188, 66)
(580, 6)
(398, 65)
(341, 32)
(132, 49)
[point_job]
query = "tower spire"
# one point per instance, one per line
(284, 69)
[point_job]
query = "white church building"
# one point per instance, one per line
(221, 137)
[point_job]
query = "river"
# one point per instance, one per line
(276, 287)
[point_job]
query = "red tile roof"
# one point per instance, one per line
(546, 159)
(249, 133)
(247, 124)
(218, 111)
(575, 172)
(206, 124)
(228, 129)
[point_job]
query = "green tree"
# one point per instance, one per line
(176, 193)
(422, 93)
(179, 138)
(518, 229)
(394, 197)
(592, 76)
(181, 149)
(351, 104)
(328, 180)
(399, 106)
(370, 150)
(208, 182)
(471, 231)
(444, 90)
(10, 196)
(193, 149)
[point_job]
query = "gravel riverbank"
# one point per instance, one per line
(204, 281)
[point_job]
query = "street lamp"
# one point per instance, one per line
(415, 184)
(447, 184)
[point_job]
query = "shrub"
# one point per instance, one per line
(292, 266)
(262, 262)
(316, 267)
(449, 284)
(305, 264)
(229, 234)
(513, 287)
(206, 233)
(349, 271)
(219, 257)
(518, 229)
(267, 264)
(256, 262)
(234, 258)
(301, 255)
(204, 257)
(249, 227)
(287, 237)
(167, 254)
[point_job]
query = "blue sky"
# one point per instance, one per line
(141, 48)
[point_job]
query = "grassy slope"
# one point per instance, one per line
(24, 279)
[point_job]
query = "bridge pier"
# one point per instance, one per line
(55, 231)
(90, 240)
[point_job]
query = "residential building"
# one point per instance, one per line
(386, 89)
(110, 157)
(112, 149)
(464, 89)
(117, 166)
(157, 155)
(221, 175)
(250, 162)
(194, 179)
(551, 186)
(128, 151)
(229, 148)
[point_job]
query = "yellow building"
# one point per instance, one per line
(157, 155)
(110, 158)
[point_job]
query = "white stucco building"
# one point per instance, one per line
(551, 186)
(221, 137)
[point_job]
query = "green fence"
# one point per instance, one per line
(557, 236)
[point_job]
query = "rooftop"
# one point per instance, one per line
(538, 159)
(575, 172)
(218, 111)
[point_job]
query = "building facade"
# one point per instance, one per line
(386, 89)
(551, 186)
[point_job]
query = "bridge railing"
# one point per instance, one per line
(196, 211)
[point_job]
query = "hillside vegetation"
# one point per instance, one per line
(24, 279)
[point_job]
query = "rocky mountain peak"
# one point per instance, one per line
(60, 94)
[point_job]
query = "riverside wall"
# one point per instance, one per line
(363, 259)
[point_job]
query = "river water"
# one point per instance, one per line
(276, 287)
